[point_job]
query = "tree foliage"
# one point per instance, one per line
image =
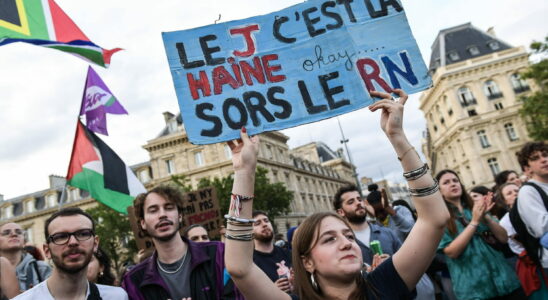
(182, 182)
(535, 106)
(115, 235)
(273, 198)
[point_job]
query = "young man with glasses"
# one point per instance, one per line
(29, 271)
(70, 243)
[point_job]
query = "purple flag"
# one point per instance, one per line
(97, 102)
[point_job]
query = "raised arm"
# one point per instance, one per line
(8, 283)
(250, 280)
(417, 252)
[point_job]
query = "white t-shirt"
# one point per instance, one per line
(41, 292)
(515, 246)
(533, 213)
(364, 236)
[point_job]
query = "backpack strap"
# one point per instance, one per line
(541, 192)
(529, 242)
(94, 292)
(35, 266)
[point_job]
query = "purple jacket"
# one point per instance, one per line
(144, 282)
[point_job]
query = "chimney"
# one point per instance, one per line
(56, 181)
(491, 31)
(168, 116)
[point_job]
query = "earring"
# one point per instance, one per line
(314, 284)
(101, 274)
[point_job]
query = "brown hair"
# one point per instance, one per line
(465, 201)
(500, 196)
(304, 241)
(167, 192)
(527, 150)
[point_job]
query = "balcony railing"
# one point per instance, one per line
(468, 102)
(521, 89)
(494, 96)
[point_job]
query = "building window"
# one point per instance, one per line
(518, 84)
(473, 50)
(199, 158)
(40, 202)
(510, 131)
(483, 139)
(454, 55)
(491, 90)
(498, 106)
(269, 152)
(144, 175)
(472, 113)
(493, 45)
(435, 128)
(465, 96)
(170, 166)
(494, 166)
(450, 112)
(442, 120)
(228, 152)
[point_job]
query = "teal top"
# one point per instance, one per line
(480, 272)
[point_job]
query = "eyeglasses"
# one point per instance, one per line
(8, 232)
(62, 238)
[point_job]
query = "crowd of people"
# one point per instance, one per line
(483, 243)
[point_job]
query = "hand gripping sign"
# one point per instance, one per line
(305, 63)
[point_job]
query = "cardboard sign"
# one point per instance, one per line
(305, 63)
(199, 207)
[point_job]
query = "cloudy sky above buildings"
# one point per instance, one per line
(41, 89)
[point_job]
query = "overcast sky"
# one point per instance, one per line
(41, 89)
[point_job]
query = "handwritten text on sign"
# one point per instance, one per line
(302, 64)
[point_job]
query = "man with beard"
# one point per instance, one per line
(178, 268)
(273, 260)
(70, 243)
(349, 204)
(29, 271)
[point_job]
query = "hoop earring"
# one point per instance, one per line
(314, 284)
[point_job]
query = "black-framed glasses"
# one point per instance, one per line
(8, 232)
(62, 238)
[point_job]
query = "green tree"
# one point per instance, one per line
(115, 235)
(535, 106)
(182, 182)
(273, 198)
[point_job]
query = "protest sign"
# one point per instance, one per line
(305, 63)
(199, 207)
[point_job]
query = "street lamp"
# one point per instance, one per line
(345, 141)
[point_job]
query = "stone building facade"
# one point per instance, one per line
(473, 125)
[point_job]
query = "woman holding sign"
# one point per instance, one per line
(327, 260)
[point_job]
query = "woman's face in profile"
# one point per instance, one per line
(336, 253)
(510, 193)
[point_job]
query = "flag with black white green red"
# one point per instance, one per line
(44, 23)
(96, 168)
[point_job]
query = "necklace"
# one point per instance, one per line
(171, 272)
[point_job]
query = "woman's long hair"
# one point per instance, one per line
(465, 201)
(304, 241)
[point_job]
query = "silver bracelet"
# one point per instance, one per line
(239, 220)
(427, 191)
(416, 174)
(248, 237)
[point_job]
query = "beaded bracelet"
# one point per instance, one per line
(416, 174)
(427, 191)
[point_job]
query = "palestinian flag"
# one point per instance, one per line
(94, 167)
(44, 23)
